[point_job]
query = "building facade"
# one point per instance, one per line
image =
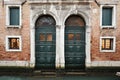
(59, 34)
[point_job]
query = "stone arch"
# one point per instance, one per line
(45, 20)
(75, 42)
(33, 18)
(83, 14)
(36, 16)
(45, 42)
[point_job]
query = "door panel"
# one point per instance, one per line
(74, 47)
(45, 47)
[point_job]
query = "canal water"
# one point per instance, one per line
(60, 78)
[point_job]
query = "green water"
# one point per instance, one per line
(60, 78)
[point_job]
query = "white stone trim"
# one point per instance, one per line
(105, 64)
(8, 16)
(14, 63)
(113, 2)
(17, 2)
(113, 16)
(32, 40)
(114, 44)
(7, 43)
(59, 1)
(6, 0)
(88, 46)
(57, 63)
(32, 47)
(60, 53)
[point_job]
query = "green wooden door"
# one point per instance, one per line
(75, 47)
(74, 43)
(45, 44)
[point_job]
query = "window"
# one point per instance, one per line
(107, 44)
(70, 36)
(13, 43)
(42, 37)
(13, 17)
(108, 16)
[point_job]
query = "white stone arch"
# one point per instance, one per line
(86, 17)
(33, 19)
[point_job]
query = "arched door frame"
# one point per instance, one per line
(45, 42)
(33, 19)
(87, 36)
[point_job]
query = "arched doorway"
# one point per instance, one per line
(75, 42)
(45, 42)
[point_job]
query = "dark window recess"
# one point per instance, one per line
(14, 16)
(14, 43)
(107, 16)
(46, 37)
(107, 44)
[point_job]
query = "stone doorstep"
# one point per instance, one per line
(58, 72)
(76, 73)
(40, 72)
(54, 74)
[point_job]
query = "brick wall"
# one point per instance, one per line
(96, 55)
(24, 32)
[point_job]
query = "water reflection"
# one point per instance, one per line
(60, 78)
